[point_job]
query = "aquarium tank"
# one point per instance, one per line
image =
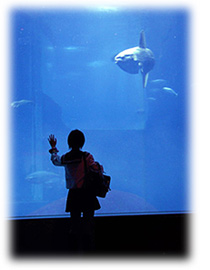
(118, 75)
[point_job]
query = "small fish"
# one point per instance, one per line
(73, 48)
(158, 81)
(151, 98)
(16, 104)
(40, 177)
(169, 90)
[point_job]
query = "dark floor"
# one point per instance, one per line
(149, 235)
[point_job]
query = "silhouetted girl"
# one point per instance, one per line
(79, 198)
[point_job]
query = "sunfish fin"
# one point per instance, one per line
(145, 79)
(142, 41)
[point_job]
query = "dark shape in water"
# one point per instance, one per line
(115, 202)
(137, 58)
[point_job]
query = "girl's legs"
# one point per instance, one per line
(76, 230)
(88, 230)
(75, 221)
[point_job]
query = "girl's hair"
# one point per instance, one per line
(76, 139)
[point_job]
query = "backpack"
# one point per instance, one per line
(97, 182)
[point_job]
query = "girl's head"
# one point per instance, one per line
(76, 139)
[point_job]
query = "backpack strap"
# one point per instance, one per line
(85, 163)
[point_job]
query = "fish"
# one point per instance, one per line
(73, 48)
(169, 90)
(137, 59)
(40, 177)
(158, 82)
(151, 98)
(16, 104)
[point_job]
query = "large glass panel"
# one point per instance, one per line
(65, 77)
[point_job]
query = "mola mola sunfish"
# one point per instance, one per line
(137, 59)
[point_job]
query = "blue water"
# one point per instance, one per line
(64, 77)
